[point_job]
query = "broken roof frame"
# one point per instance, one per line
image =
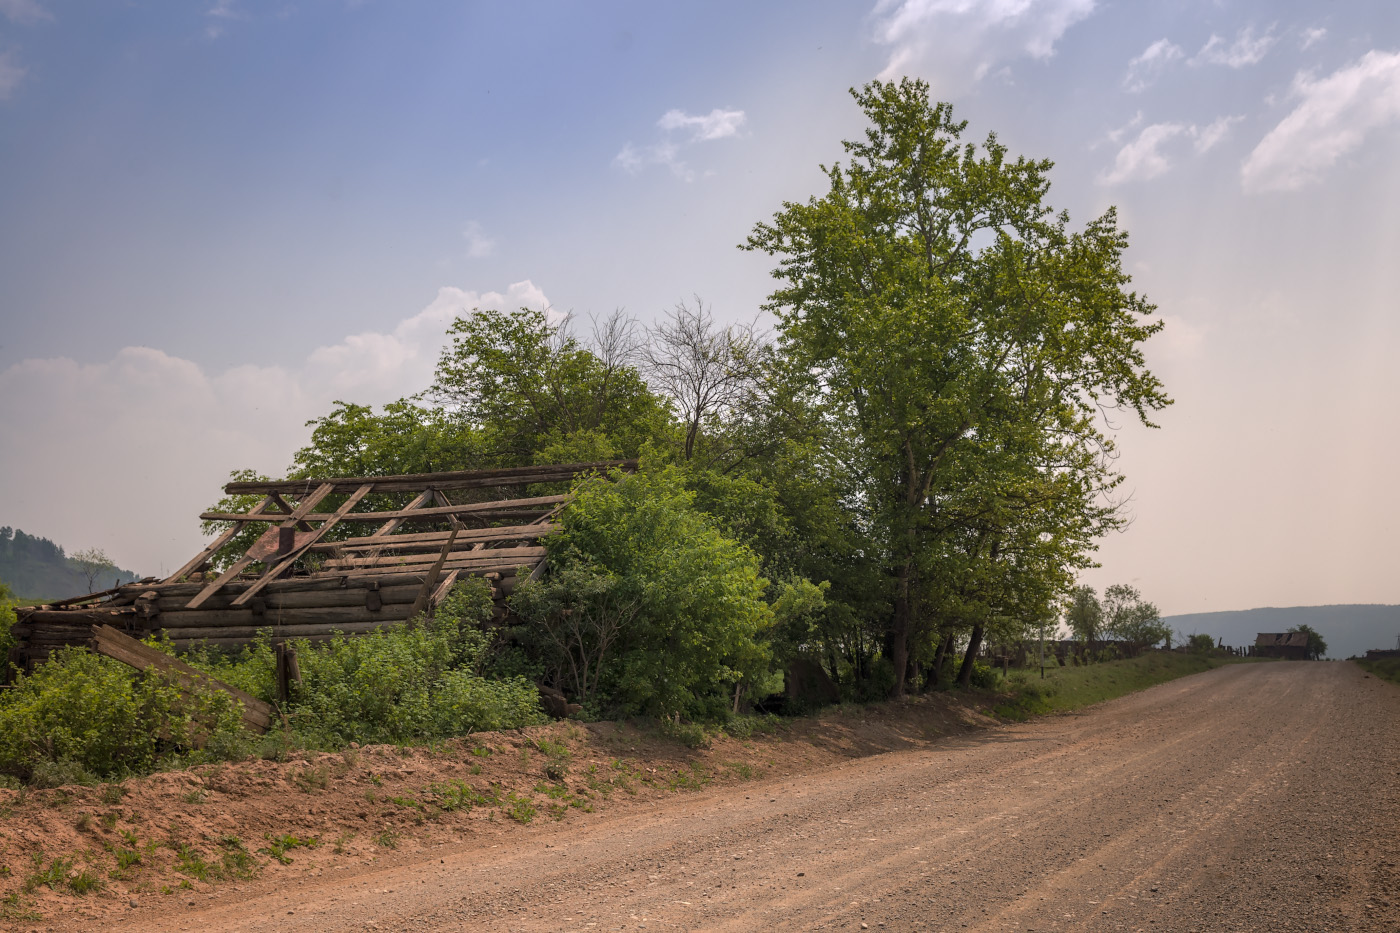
(299, 580)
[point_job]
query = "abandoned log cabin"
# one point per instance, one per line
(1292, 646)
(340, 555)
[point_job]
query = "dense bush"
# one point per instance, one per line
(648, 607)
(90, 713)
(7, 621)
(401, 684)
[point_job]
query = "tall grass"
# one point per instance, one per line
(1070, 688)
(1384, 668)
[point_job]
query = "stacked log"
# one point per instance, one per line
(312, 587)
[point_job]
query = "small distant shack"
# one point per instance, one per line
(1291, 646)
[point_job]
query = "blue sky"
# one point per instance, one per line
(217, 218)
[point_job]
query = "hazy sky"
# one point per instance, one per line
(216, 219)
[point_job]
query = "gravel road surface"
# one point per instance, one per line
(1253, 797)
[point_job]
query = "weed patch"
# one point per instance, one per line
(279, 846)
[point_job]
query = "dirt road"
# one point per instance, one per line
(1254, 797)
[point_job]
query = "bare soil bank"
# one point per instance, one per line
(378, 806)
(1252, 797)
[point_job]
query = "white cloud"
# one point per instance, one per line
(961, 35)
(145, 426)
(11, 74)
(1312, 37)
(1334, 116)
(1144, 69)
(1247, 49)
(23, 11)
(479, 245)
(1206, 137)
(1142, 158)
(717, 124)
(221, 13)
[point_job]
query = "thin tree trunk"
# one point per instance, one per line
(899, 629)
(974, 642)
(940, 661)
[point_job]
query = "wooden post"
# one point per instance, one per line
(288, 671)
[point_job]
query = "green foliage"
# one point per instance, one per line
(668, 611)
(7, 622)
(1200, 643)
(35, 569)
(409, 682)
(961, 339)
(400, 684)
(1384, 668)
(984, 676)
(1071, 688)
(1085, 614)
(83, 711)
(279, 846)
(405, 438)
(536, 394)
(1128, 618)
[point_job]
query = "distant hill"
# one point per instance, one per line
(1348, 630)
(36, 568)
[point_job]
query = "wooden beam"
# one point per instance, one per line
(444, 588)
(421, 603)
(460, 479)
(407, 514)
(287, 510)
(212, 547)
(395, 521)
(298, 514)
(300, 549)
(111, 643)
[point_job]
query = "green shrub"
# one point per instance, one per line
(984, 676)
(7, 621)
(81, 715)
(649, 608)
(689, 734)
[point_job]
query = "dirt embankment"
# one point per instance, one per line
(1249, 798)
(176, 841)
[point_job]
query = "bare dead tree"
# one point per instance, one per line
(709, 372)
(92, 563)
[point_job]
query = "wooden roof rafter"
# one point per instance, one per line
(389, 561)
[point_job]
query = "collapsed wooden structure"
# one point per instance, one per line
(343, 555)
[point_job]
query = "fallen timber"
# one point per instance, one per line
(336, 556)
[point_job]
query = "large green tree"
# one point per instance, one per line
(963, 340)
(537, 394)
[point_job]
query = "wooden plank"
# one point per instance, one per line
(240, 565)
(212, 547)
(421, 603)
(288, 510)
(270, 619)
(410, 513)
(475, 562)
(217, 635)
(445, 587)
(396, 521)
(301, 547)
(108, 641)
(460, 479)
(310, 599)
(428, 540)
(299, 513)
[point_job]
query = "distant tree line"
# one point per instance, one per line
(36, 568)
(914, 462)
